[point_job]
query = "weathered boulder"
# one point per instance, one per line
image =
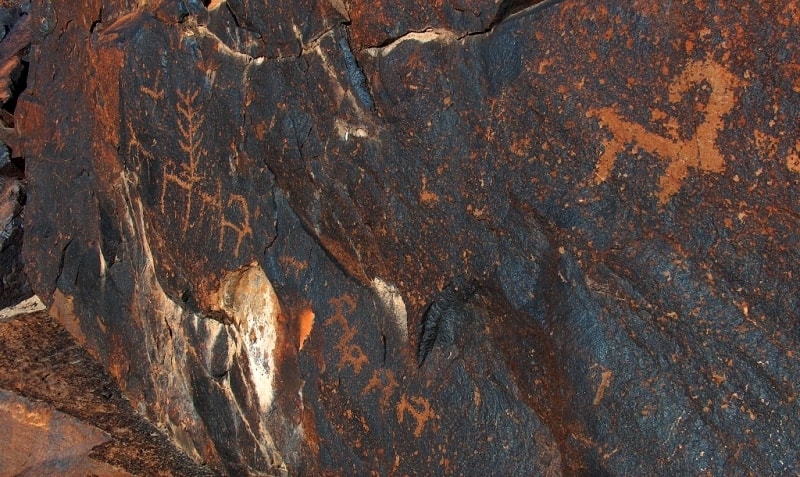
(42, 441)
(253, 216)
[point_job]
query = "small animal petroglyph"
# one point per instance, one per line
(700, 152)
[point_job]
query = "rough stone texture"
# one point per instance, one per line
(88, 427)
(13, 282)
(259, 207)
(41, 441)
(15, 37)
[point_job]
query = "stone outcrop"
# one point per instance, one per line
(61, 414)
(249, 214)
(59, 441)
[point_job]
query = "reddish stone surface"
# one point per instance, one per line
(41, 441)
(261, 211)
(62, 414)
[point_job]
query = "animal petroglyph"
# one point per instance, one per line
(350, 353)
(698, 152)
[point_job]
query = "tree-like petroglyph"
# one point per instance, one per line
(698, 152)
(203, 196)
(191, 136)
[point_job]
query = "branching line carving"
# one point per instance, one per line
(188, 177)
(190, 141)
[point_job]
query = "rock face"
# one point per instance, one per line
(13, 283)
(15, 38)
(250, 213)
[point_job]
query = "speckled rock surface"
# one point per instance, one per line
(591, 208)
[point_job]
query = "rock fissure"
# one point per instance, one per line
(510, 9)
(423, 36)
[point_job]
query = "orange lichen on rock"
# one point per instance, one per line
(793, 159)
(426, 196)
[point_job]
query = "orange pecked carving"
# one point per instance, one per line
(382, 380)
(698, 152)
(420, 410)
(351, 353)
(188, 178)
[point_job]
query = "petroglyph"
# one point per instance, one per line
(190, 121)
(351, 354)
(420, 410)
(698, 152)
(241, 230)
(383, 381)
(201, 197)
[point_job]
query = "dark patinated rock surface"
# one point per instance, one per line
(14, 43)
(13, 282)
(259, 207)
